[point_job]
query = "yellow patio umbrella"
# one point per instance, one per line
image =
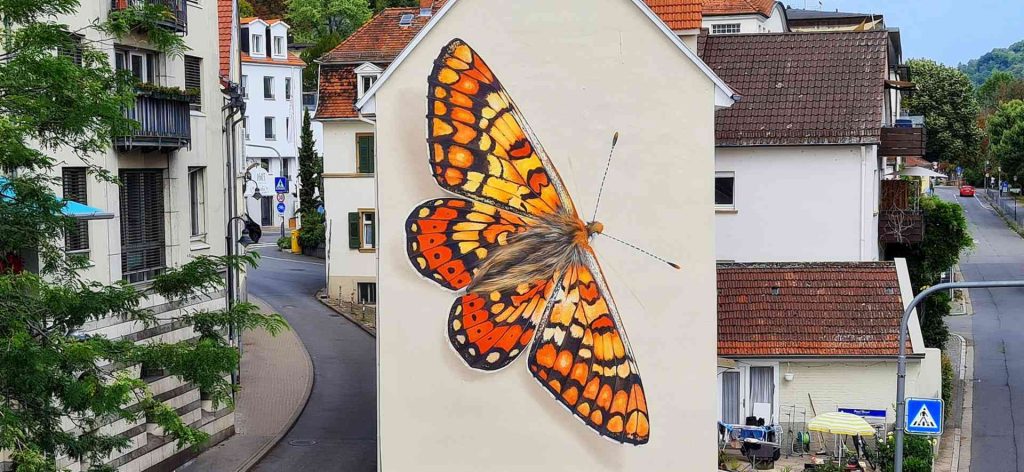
(840, 423)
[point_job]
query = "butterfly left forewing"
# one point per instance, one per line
(582, 358)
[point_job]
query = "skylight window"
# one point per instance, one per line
(406, 20)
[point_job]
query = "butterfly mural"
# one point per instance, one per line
(519, 254)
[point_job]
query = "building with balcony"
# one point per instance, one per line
(272, 85)
(170, 205)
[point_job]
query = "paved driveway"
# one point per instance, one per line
(338, 429)
(997, 330)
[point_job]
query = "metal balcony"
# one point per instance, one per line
(177, 19)
(164, 123)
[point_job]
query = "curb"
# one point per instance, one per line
(965, 384)
(343, 314)
(265, 449)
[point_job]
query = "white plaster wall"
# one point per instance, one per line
(802, 203)
(345, 191)
(748, 23)
(569, 66)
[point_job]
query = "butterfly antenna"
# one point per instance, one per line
(673, 264)
(608, 165)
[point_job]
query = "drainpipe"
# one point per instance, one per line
(863, 205)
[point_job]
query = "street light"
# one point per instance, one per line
(278, 154)
(901, 363)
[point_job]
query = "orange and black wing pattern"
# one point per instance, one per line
(479, 147)
(490, 330)
(448, 238)
(582, 358)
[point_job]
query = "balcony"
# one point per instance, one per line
(177, 18)
(164, 122)
(902, 141)
(900, 219)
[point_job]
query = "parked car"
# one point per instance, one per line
(966, 191)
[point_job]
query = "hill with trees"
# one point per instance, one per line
(1009, 59)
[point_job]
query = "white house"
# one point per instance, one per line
(800, 159)
(272, 82)
(744, 16)
(809, 338)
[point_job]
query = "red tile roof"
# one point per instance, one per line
(821, 310)
(381, 38)
(800, 88)
(225, 30)
(337, 91)
(250, 19)
(738, 7)
(293, 60)
(914, 161)
(678, 14)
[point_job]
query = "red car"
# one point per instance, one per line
(966, 191)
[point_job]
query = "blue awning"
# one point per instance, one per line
(71, 208)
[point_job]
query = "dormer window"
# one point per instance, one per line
(256, 44)
(278, 45)
(366, 75)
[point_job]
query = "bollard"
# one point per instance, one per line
(296, 249)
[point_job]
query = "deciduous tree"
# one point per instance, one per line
(1006, 137)
(314, 19)
(946, 98)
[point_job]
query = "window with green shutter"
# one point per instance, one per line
(364, 153)
(353, 230)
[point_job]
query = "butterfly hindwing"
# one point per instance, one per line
(582, 358)
(479, 147)
(448, 238)
(490, 330)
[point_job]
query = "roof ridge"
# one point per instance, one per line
(356, 32)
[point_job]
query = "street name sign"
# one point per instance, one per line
(924, 416)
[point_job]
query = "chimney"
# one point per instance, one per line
(426, 7)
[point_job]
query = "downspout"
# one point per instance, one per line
(863, 196)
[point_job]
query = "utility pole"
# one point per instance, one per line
(901, 363)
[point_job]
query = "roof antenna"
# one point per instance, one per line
(613, 238)
(615, 140)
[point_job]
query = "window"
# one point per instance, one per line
(268, 128)
(366, 82)
(278, 45)
(194, 81)
(245, 86)
(726, 28)
(287, 88)
(143, 65)
(725, 183)
(762, 393)
(75, 180)
(405, 20)
(730, 397)
(197, 199)
(367, 292)
(246, 126)
(142, 224)
(284, 168)
(362, 230)
(257, 44)
(268, 88)
(73, 49)
(364, 153)
(288, 129)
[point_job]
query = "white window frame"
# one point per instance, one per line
(367, 223)
(366, 72)
(746, 405)
(726, 28)
(246, 127)
(197, 202)
(288, 88)
(256, 44)
(271, 127)
(245, 86)
(732, 175)
(278, 44)
(268, 88)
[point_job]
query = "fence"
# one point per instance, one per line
(1007, 204)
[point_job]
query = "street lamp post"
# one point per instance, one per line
(901, 363)
(278, 154)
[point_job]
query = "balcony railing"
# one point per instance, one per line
(176, 21)
(900, 220)
(164, 123)
(900, 141)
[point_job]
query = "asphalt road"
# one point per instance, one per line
(997, 331)
(337, 431)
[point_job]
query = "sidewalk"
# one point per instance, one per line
(276, 378)
(955, 447)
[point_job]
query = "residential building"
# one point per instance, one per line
(168, 208)
(272, 83)
(800, 159)
(574, 100)
(822, 20)
(817, 337)
(744, 16)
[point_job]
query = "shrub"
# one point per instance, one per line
(918, 453)
(947, 382)
(313, 232)
(284, 242)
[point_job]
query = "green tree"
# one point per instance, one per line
(314, 19)
(310, 75)
(50, 371)
(946, 98)
(245, 9)
(1005, 130)
(1010, 60)
(379, 5)
(312, 233)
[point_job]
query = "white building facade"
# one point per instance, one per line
(272, 81)
(744, 17)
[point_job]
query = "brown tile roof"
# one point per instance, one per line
(677, 14)
(337, 91)
(381, 38)
(800, 88)
(225, 30)
(293, 60)
(821, 310)
(738, 7)
(914, 161)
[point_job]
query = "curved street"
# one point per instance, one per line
(337, 431)
(997, 332)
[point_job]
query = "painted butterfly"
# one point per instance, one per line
(520, 252)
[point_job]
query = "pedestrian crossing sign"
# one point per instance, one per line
(281, 184)
(924, 416)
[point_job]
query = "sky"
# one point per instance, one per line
(948, 31)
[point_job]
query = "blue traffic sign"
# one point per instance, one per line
(320, 209)
(959, 170)
(280, 207)
(924, 416)
(281, 185)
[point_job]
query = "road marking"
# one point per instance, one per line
(289, 260)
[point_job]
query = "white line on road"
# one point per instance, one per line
(289, 260)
